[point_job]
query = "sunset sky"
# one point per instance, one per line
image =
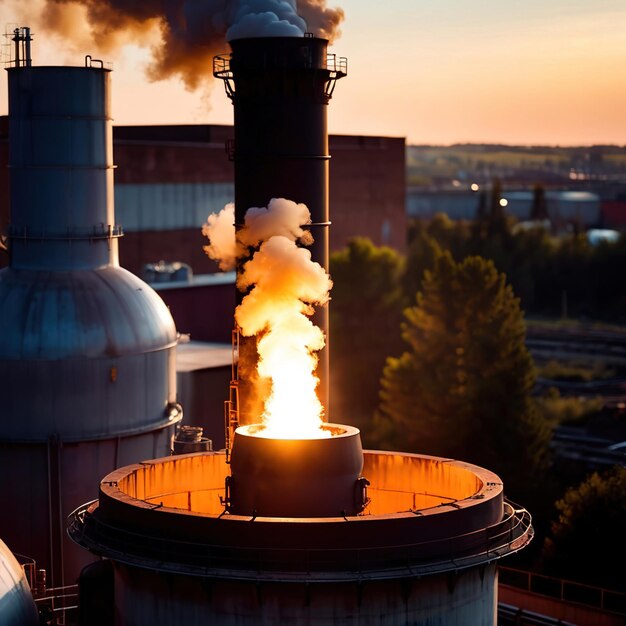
(531, 72)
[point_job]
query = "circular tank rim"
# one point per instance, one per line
(478, 529)
(346, 431)
(491, 492)
(56, 68)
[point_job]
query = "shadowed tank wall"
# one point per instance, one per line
(157, 598)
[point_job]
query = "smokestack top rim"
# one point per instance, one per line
(56, 68)
(279, 38)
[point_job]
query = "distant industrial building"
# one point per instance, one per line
(170, 178)
(564, 207)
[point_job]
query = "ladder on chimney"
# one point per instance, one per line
(231, 406)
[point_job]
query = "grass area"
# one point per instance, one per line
(617, 159)
(557, 410)
(572, 324)
(444, 158)
(575, 371)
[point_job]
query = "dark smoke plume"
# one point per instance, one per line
(184, 35)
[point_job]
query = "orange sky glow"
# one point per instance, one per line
(541, 73)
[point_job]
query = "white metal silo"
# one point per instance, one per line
(87, 349)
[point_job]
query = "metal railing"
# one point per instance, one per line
(337, 64)
(337, 67)
(59, 605)
(512, 533)
(564, 590)
(509, 615)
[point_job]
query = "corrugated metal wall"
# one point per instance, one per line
(167, 206)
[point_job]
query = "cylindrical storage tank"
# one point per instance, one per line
(281, 87)
(61, 168)
(17, 607)
(423, 553)
(296, 477)
(87, 349)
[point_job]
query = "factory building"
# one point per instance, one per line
(170, 178)
(564, 207)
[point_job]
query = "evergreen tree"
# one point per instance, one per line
(586, 541)
(463, 388)
(479, 223)
(422, 251)
(365, 316)
(539, 207)
(497, 225)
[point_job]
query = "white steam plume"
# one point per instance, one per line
(220, 229)
(284, 285)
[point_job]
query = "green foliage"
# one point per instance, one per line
(545, 271)
(586, 542)
(556, 409)
(575, 371)
(463, 388)
(366, 311)
(427, 240)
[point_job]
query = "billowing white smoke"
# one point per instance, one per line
(220, 230)
(266, 18)
(284, 285)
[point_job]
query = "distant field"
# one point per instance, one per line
(460, 157)
(616, 159)
(427, 162)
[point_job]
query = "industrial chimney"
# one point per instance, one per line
(280, 88)
(86, 348)
(287, 530)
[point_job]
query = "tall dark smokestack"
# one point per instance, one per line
(280, 88)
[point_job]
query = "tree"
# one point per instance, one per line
(497, 224)
(463, 388)
(422, 250)
(365, 315)
(586, 541)
(539, 207)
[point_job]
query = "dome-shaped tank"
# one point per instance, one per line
(17, 607)
(95, 345)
